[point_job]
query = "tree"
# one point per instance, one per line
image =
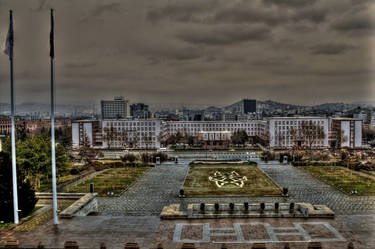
(280, 138)
(239, 137)
(63, 136)
(21, 130)
(368, 135)
(26, 195)
(110, 135)
(307, 132)
(34, 158)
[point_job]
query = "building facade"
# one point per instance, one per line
(114, 109)
(346, 132)
(32, 125)
(288, 132)
(252, 127)
(140, 110)
(278, 132)
(215, 139)
(142, 134)
(86, 133)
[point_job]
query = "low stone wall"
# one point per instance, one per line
(246, 210)
(81, 207)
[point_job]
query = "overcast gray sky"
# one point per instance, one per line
(193, 51)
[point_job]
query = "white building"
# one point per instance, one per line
(131, 133)
(282, 132)
(252, 127)
(86, 132)
(346, 132)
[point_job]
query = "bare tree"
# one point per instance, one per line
(123, 138)
(342, 138)
(280, 138)
(110, 135)
(311, 132)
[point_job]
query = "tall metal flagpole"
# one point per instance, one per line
(9, 51)
(54, 192)
(14, 167)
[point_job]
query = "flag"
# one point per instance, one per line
(51, 38)
(9, 41)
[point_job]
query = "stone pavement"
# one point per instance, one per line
(134, 216)
(160, 185)
(148, 231)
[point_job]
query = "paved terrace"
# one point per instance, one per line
(134, 215)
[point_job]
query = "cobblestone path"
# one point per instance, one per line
(160, 186)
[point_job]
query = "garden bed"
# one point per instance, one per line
(223, 180)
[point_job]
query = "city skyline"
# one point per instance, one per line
(298, 52)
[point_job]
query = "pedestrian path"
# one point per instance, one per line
(160, 186)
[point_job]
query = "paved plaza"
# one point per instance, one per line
(134, 216)
(160, 187)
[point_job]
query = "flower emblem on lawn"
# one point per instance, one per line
(232, 178)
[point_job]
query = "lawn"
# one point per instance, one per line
(114, 180)
(223, 180)
(47, 185)
(344, 179)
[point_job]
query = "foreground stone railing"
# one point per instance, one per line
(246, 210)
(132, 245)
(81, 207)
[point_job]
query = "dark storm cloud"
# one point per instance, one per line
(98, 11)
(311, 14)
(225, 34)
(160, 54)
(362, 23)
(290, 3)
(182, 11)
(111, 7)
(331, 48)
(78, 65)
(272, 61)
(250, 14)
(180, 50)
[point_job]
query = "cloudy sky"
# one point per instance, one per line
(193, 51)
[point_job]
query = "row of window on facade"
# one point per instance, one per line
(135, 123)
(217, 125)
(299, 122)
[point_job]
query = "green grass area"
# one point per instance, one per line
(201, 181)
(46, 185)
(344, 179)
(113, 180)
(5, 225)
(36, 208)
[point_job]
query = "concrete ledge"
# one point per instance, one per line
(320, 211)
(173, 212)
(67, 196)
(77, 206)
(301, 210)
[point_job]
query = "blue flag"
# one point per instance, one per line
(9, 41)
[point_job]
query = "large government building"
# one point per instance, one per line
(278, 132)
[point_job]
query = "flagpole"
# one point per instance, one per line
(54, 192)
(13, 130)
